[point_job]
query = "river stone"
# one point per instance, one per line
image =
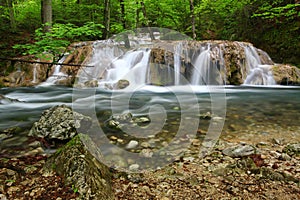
(292, 149)
(91, 83)
(239, 151)
(117, 121)
(122, 84)
(78, 162)
(60, 122)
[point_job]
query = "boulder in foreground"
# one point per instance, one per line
(79, 167)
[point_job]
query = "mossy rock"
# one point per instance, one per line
(81, 168)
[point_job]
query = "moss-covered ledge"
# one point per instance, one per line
(79, 168)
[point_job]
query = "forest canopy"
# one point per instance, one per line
(273, 26)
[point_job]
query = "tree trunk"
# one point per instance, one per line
(106, 19)
(193, 19)
(12, 20)
(46, 12)
(137, 14)
(122, 6)
(146, 18)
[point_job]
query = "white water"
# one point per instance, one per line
(34, 73)
(132, 67)
(103, 55)
(201, 72)
(113, 63)
(57, 74)
(177, 63)
(256, 73)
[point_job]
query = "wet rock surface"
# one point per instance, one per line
(60, 123)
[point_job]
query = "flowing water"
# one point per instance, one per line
(246, 107)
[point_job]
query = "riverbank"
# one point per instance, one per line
(271, 171)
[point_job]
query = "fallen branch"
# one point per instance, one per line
(47, 63)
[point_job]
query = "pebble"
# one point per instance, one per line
(275, 154)
(145, 144)
(132, 144)
(134, 167)
(3, 197)
(113, 137)
(147, 153)
(35, 144)
(239, 151)
(120, 140)
(34, 152)
(284, 157)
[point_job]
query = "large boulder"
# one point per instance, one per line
(78, 163)
(286, 74)
(61, 123)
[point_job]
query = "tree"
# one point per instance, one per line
(193, 19)
(147, 21)
(106, 19)
(13, 25)
(46, 14)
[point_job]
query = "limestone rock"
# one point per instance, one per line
(60, 122)
(286, 74)
(239, 151)
(78, 163)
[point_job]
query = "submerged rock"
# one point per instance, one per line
(126, 119)
(60, 122)
(81, 168)
(122, 84)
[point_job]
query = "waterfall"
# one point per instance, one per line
(170, 62)
(103, 54)
(201, 70)
(177, 63)
(34, 73)
(209, 67)
(256, 72)
(57, 74)
(132, 66)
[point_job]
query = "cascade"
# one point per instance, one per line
(57, 74)
(256, 72)
(104, 53)
(209, 67)
(167, 62)
(177, 63)
(34, 73)
(132, 67)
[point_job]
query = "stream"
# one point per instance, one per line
(246, 107)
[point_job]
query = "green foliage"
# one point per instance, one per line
(27, 14)
(74, 188)
(289, 11)
(58, 39)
